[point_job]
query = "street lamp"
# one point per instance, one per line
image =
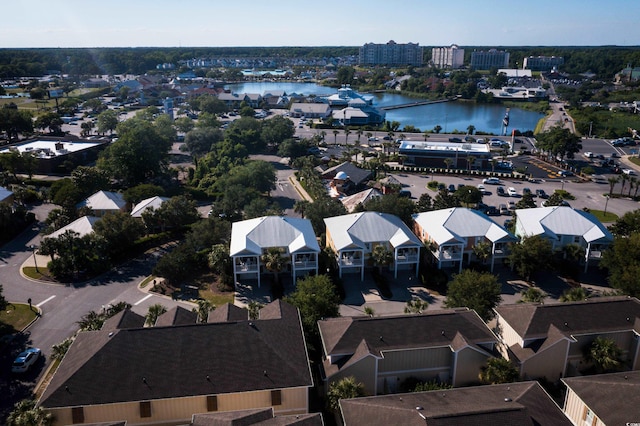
(562, 189)
(605, 204)
(33, 249)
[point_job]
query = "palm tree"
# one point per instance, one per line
(532, 295)
(493, 163)
(498, 370)
(254, 309)
(612, 182)
(274, 262)
(425, 134)
(347, 132)
(91, 321)
(323, 134)
(335, 137)
(574, 294)
(471, 128)
(382, 256)
(633, 183)
(470, 160)
(368, 135)
(437, 128)
(368, 310)
(153, 313)
(605, 354)
(301, 206)
(204, 307)
(416, 306)
(346, 388)
(25, 413)
(448, 162)
(482, 251)
(624, 179)
(359, 133)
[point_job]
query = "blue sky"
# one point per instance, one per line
(135, 23)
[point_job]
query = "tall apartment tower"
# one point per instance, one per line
(392, 54)
(447, 57)
(484, 60)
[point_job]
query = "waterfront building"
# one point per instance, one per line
(434, 154)
(391, 53)
(493, 58)
(447, 57)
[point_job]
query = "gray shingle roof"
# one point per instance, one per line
(517, 404)
(169, 362)
(257, 417)
(438, 328)
(594, 315)
(614, 398)
(177, 316)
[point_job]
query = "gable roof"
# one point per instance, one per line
(524, 403)
(614, 398)
(5, 193)
(153, 203)
(457, 224)
(357, 229)
(82, 226)
(561, 220)
(200, 359)
(177, 316)
(228, 312)
(351, 202)
(434, 329)
(104, 200)
(123, 319)
(600, 314)
(251, 236)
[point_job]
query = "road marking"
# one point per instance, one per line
(142, 300)
(44, 301)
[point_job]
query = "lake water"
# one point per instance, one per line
(448, 115)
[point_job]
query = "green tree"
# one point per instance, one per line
(345, 388)
(204, 307)
(201, 140)
(574, 294)
(475, 290)
(141, 192)
(3, 301)
(393, 204)
(107, 121)
(91, 321)
(498, 370)
(445, 200)
(605, 355)
(316, 298)
(60, 350)
(15, 122)
(559, 142)
(219, 260)
(416, 306)
(526, 202)
(482, 251)
(533, 254)
(622, 261)
(274, 261)
(254, 309)
(612, 183)
(153, 313)
(382, 256)
(626, 225)
(26, 413)
(532, 295)
(469, 195)
(554, 199)
(120, 231)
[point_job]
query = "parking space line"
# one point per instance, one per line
(44, 301)
(142, 300)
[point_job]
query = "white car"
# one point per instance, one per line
(512, 192)
(25, 360)
(482, 189)
(491, 181)
(630, 172)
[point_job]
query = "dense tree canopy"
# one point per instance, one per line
(475, 290)
(622, 261)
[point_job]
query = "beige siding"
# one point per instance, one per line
(549, 363)
(507, 334)
(416, 359)
(294, 401)
(364, 372)
(468, 367)
(575, 409)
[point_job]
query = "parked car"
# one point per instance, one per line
(492, 211)
(491, 181)
(565, 173)
(507, 223)
(500, 191)
(629, 172)
(404, 193)
(452, 188)
(455, 140)
(541, 194)
(512, 205)
(25, 360)
(482, 189)
(615, 155)
(512, 192)
(527, 191)
(503, 209)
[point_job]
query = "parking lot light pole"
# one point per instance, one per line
(562, 189)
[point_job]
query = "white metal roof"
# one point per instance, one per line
(153, 202)
(82, 226)
(5, 193)
(457, 224)
(251, 236)
(357, 229)
(104, 200)
(561, 220)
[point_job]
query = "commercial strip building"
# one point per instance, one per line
(434, 154)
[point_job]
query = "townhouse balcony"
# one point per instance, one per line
(305, 264)
(412, 258)
(244, 267)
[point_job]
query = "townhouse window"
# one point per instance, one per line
(145, 409)
(588, 417)
(77, 414)
(276, 397)
(212, 403)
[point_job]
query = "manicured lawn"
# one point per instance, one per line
(40, 274)
(609, 217)
(16, 317)
(217, 298)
